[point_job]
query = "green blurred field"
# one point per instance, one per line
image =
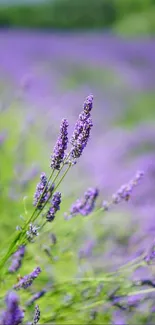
(127, 17)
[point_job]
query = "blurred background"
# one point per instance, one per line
(52, 55)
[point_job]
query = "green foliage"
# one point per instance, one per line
(138, 23)
(141, 109)
(127, 16)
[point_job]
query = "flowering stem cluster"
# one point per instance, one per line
(46, 196)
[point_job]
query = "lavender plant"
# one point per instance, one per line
(46, 188)
(86, 295)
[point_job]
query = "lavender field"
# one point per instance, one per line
(83, 254)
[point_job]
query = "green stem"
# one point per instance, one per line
(141, 292)
(10, 250)
(135, 262)
(61, 179)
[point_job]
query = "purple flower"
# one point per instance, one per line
(36, 296)
(85, 205)
(32, 232)
(55, 206)
(41, 194)
(27, 280)
(82, 129)
(60, 147)
(17, 259)
(13, 314)
(88, 104)
(124, 193)
(36, 315)
(90, 197)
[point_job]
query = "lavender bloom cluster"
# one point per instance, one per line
(13, 314)
(41, 194)
(85, 205)
(44, 189)
(82, 129)
(27, 280)
(124, 192)
(36, 315)
(17, 259)
(61, 145)
(55, 206)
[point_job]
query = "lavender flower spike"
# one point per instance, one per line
(85, 205)
(27, 280)
(17, 259)
(82, 129)
(41, 193)
(36, 296)
(90, 197)
(55, 206)
(60, 147)
(13, 315)
(124, 193)
(36, 315)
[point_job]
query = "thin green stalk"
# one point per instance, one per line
(141, 292)
(135, 262)
(61, 179)
(10, 250)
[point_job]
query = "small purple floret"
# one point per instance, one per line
(32, 232)
(41, 194)
(55, 206)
